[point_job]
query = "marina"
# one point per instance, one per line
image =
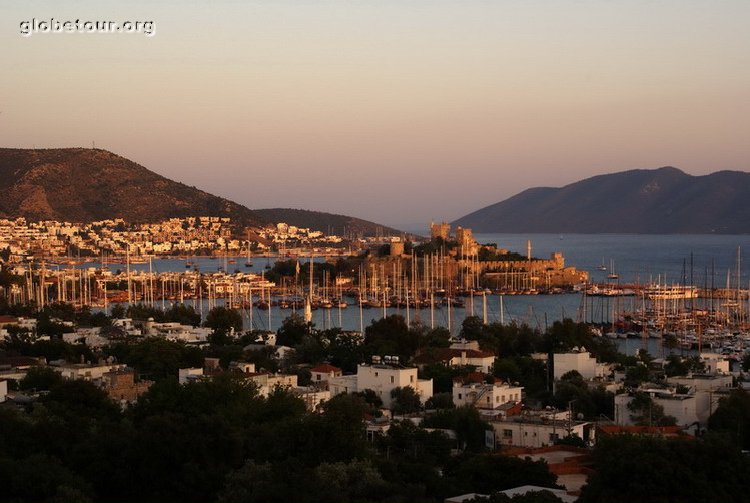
(678, 314)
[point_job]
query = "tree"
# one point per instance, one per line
(187, 315)
(41, 477)
(510, 340)
(370, 397)
(391, 336)
(442, 375)
(636, 374)
(530, 373)
(491, 472)
(405, 400)
(631, 468)
(466, 422)
(407, 441)
(644, 412)
(733, 417)
(678, 366)
(258, 482)
(746, 362)
(292, 331)
(440, 401)
(573, 440)
(78, 399)
(349, 481)
(158, 358)
(472, 328)
(438, 337)
(117, 311)
(142, 311)
(224, 320)
(337, 434)
(40, 378)
(675, 366)
(344, 349)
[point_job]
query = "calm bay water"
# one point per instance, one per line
(636, 258)
(639, 257)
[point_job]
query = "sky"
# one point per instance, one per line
(397, 111)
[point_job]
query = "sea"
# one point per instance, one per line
(701, 260)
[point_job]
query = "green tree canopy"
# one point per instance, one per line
(223, 320)
(657, 470)
(732, 417)
(405, 400)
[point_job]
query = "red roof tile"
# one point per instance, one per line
(326, 369)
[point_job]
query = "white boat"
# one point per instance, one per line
(613, 274)
(665, 292)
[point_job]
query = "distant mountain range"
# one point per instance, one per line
(644, 201)
(85, 185)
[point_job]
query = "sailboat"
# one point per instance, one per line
(248, 262)
(601, 267)
(613, 274)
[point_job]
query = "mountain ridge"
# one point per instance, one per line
(85, 185)
(664, 200)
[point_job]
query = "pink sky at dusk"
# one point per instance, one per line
(395, 111)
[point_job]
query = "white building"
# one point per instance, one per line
(267, 382)
(538, 430)
(313, 397)
(686, 409)
(715, 363)
(703, 382)
(580, 361)
(126, 324)
(484, 395)
(321, 374)
(27, 323)
(382, 378)
(88, 336)
(189, 374)
(177, 332)
(3, 390)
(459, 354)
(244, 367)
(87, 371)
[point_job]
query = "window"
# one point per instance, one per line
(459, 396)
(376, 374)
(391, 379)
(411, 378)
(507, 433)
(553, 437)
(317, 376)
(488, 399)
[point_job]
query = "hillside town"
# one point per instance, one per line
(204, 235)
(492, 410)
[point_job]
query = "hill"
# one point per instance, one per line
(645, 201)
(84, 185)
(326, 222)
